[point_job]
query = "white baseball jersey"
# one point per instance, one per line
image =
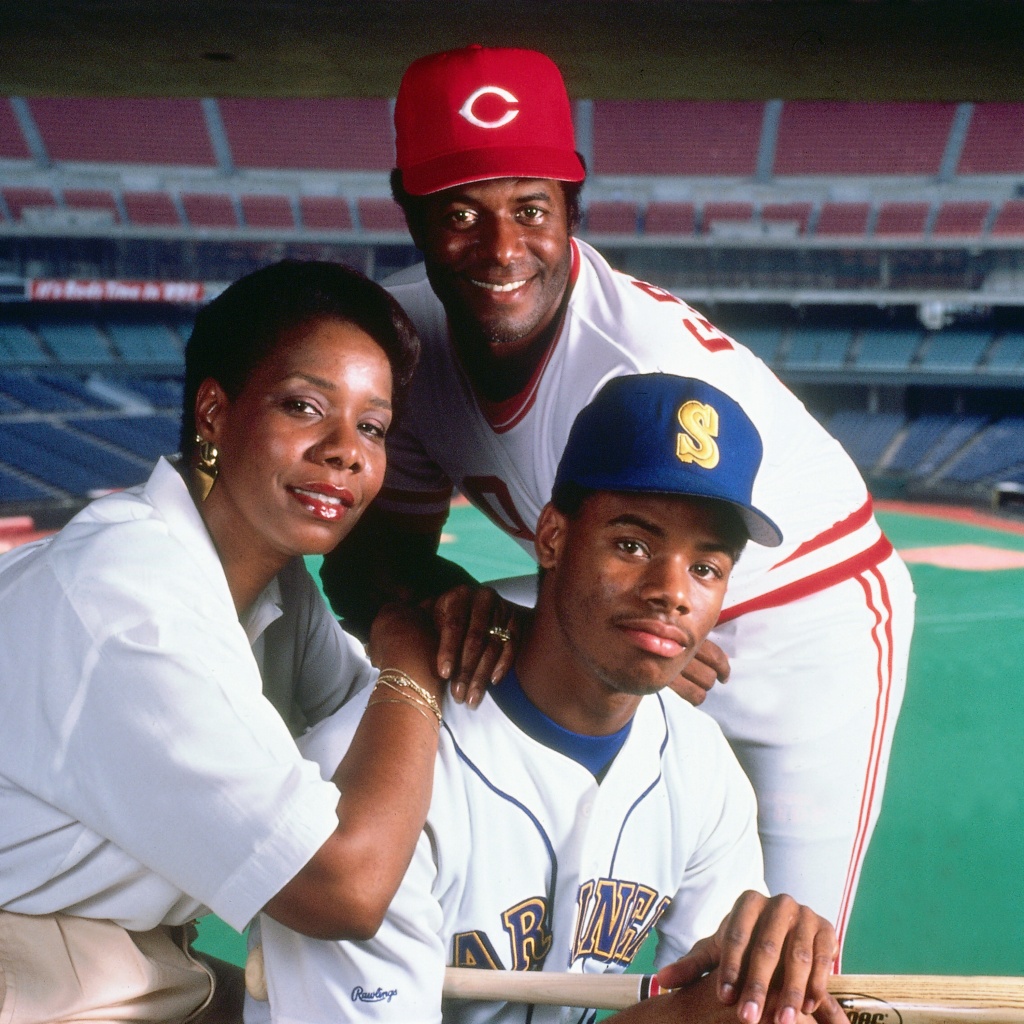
(817, 630)
(527, 863)
(503, 456)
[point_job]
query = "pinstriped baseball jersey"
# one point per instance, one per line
(503, 456)
(527, 863)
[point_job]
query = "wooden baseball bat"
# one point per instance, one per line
(866, 998)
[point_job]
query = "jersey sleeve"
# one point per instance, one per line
(413, 484)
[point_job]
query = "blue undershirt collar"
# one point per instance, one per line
(595, 753)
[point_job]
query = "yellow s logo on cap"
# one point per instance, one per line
(700, 428)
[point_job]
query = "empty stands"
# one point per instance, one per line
(309, 134)
(995, 140)
(960, 219)
(860, 138)
(916, 442)
(1007, 355)
(380, 215)
(669, 218)
(12, 142)
(954, 350)
(267, 211)
(1009, 222)
(886, 350)
(123, 130)
(898, 219)
(999, 447)
(611, 218)
(676, 137)
(816, 348)
(865, 436)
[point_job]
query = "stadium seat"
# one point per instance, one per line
(20, 347)
(144, 342)
(681, 137)
(1009, 222)
(995, 141)
(124, 130)
(92, 199)
(151, 209)
(37, 395)
(901, 220)
(764, 342)
(843, 219)
(1007, 355)
(209, 210)
(999, 447)
(921, 434)
(325, 213)
(813, 348)
(337, 134)
(265, 211)
(822, 137)
(12, 143)
(954, 350)
(665, 218)
(787, 213)
(960, 432)
(886, 349)
(960, 219)
(148, 437)
(74, 342)
(717, 215)
(380, 215)
(21, 199)
(865, 436)
(611, 218)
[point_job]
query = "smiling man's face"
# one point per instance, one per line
(498, 256)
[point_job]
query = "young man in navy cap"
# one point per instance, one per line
(580, 808)
(521, 324)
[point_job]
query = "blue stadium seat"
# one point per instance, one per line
(38, 394)
(886, 350)
(20, 347)
(919, 438)
(865, 436)
(959, 433)
(160, 392)
(75, 343)
(66, 460)
(955, 350)
(145, 342)
(75, 387)
(8, 404)
(1000, 447)
(815, 348)
(14, 488)
(1007, 355)
(148, 437)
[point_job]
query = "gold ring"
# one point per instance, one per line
(501, 634)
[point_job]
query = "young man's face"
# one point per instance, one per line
(636, 582)
(498, 256)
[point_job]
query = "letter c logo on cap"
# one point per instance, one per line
(466, 110)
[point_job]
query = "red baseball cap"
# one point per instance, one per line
(479, 113)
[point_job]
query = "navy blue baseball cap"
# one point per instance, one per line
(662, 434)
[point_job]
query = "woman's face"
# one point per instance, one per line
(302, 446)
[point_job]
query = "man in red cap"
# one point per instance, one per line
(521, 325)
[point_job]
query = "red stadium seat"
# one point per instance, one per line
(380, 215)
(960, 219)
(611, 218)
(787, 213)
(325, 213)
(209, 210)
(309, 134)
(843, 219)
(902, 220)
(995, 140)
(12, 142)
(151, 209)
(727, 213)
(663, 218)
(261, 211)
(676, 137)
(20, 199)
(124, 130)
(91, 199)
(856, 138)
(1009, 222)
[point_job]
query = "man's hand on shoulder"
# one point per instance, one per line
(771, 954)
(707, 667)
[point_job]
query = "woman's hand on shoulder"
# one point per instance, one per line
(479, 632)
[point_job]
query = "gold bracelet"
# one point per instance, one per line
(415, 705)
(412, 695)
(394, 677)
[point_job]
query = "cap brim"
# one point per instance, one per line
(468, 166)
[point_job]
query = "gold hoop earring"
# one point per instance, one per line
(207, 469)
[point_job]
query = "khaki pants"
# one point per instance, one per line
(58, 969)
